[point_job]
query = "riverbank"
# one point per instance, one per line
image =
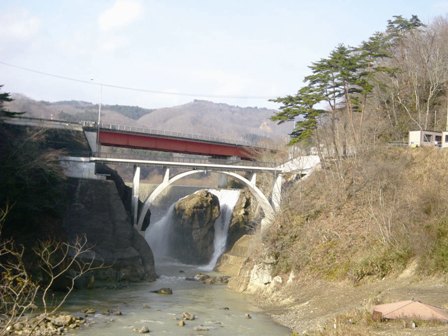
(317, 307)
(327, 308)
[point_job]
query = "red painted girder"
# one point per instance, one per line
(177, 145)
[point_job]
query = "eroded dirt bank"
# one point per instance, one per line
(316, 307)
(322, 308)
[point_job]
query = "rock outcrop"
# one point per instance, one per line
(248, 274)
(192, 235)
(237, 264)
(243, 216)
(97, 212)
(124, 192)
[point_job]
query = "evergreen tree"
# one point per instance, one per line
(335, 82)
(5, 97)
(398, 27)
(301, 109)
(341, 84)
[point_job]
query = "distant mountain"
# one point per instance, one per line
(198, 117)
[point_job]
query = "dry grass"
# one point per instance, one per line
(387, 206)
(360, 323)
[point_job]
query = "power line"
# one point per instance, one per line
(91, 82)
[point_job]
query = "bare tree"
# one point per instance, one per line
(17, 290)
(20, 293)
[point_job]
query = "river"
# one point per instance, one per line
(218, 310)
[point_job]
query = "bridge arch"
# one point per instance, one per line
(256, 192)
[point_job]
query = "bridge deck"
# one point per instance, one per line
(192, 165)
(171, 144)
(149, 139)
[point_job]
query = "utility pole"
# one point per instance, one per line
(98, 144)
(446, 127)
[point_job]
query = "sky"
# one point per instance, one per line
(160, 53)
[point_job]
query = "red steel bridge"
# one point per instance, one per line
(149, 139)
(120, 136)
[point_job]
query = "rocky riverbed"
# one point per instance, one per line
(199, 303)
(47, 324)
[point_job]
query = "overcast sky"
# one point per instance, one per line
(240, 52)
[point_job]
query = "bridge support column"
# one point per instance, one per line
(223, 181)
(166, 175)
(253, 180)
(277, 192)
(135, 194)
(162, 186)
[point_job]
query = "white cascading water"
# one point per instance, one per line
(227, 201)
(157, 233)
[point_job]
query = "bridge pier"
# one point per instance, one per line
(166, 175)
(277, 193)
(253, 180)
(156, 192)
(135, 194)
(223, 181)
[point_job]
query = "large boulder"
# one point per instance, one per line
(243, 218)
(97, 212)
(192, 235)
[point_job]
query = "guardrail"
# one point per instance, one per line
(44, 123)
(170, 163)
(192, 160)
(398, 144)
(187, 136)
(133, 129)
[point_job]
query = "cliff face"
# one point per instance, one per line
(193, 229)
(97, 211)
(124, 191)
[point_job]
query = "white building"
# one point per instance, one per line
(428, 139)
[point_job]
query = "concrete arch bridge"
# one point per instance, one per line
(270, 205)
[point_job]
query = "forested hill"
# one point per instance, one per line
(197, 117)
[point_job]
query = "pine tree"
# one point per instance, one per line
(5, 97)
(301, 109)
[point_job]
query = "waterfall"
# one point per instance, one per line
(227, 201)
(157, 233)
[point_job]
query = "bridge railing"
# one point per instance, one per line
(193, 160)
(190, 136)
(56, 123)
(44, 123)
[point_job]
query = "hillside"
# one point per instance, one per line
(197, 117)
(372, 230)
(384, 210)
